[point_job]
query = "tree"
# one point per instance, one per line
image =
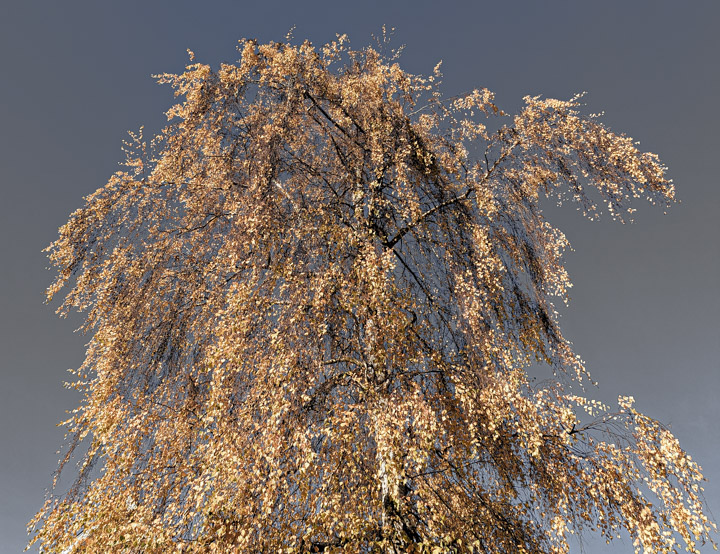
(313, 300)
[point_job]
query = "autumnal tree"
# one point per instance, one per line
(313, 301)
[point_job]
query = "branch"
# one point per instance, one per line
(402, 232)
(410, 226)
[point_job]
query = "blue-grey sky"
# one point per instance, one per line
(644, 309)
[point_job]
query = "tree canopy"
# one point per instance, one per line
(313, 300)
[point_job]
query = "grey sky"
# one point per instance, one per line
(644, 310)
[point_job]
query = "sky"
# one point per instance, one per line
(644, 308)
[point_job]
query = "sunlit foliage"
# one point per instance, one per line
(313, 301)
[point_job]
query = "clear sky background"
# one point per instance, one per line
(644, 309)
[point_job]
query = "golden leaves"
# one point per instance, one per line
(312, 305)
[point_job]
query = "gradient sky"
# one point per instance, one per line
(644, 310)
